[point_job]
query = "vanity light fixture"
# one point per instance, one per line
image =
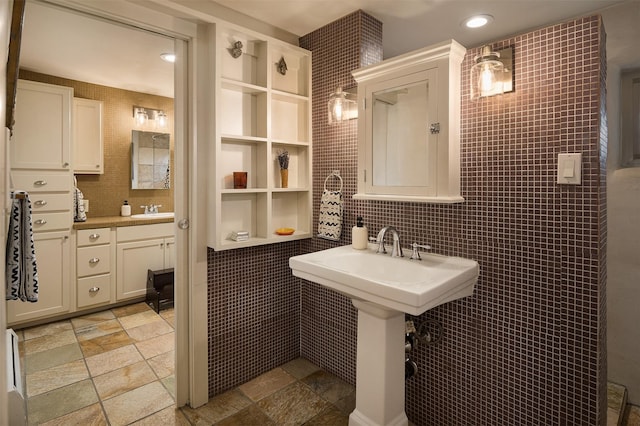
(341, 106)
(144, 116)
(492, 74)
(168, 57)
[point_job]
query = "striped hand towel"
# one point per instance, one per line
(21, 270)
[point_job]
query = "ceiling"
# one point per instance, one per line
(66, 44)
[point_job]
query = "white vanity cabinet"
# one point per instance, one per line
(88, 157)
(140, 248)
(409, 126)
(95, 262)
(53, 257)
(263, 107)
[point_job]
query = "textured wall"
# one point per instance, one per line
(106, 192)
(527, 347)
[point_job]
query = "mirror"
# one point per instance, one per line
(150, 160)
(400, 142)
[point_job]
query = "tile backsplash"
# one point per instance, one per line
(528, 347)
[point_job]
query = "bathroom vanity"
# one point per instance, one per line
(102, 262)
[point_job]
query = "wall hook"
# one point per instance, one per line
(236, 50)
(282, 66)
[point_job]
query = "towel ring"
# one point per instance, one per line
(336, 174)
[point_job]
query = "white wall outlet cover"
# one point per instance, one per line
(86, 205)
(570, 168)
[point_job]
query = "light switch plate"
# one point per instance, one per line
(570, 168)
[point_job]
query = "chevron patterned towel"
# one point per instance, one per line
(330, 220)
(21, 270)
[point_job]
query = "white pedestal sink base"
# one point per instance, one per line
(380, 367)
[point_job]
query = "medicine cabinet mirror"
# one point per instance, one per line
(150, 160)
(409, 126)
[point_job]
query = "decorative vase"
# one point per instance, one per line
(284, 176)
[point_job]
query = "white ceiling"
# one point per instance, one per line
(74, 46)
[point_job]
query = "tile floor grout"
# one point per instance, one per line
(295, 393)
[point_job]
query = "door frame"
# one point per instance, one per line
(191, 342)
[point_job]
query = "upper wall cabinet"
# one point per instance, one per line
(42, 136)
(87, 137)
(409, 126)
(263, 109)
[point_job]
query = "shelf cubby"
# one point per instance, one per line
(238, 155)
(289, 118)
(244, 112)
(243, 212)
(289, 210)
(298, 69)
(251, 66)
(298, 166)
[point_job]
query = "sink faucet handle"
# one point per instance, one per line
(415, 253)
(380, 242)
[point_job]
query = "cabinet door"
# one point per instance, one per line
(87, 136)
(134, 259)
(169, 252)
(52, 256)
(42, 132)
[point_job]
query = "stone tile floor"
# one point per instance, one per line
(116, 367)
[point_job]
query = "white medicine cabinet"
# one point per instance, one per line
(409, 126)
(263, 108)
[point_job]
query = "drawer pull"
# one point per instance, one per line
(94, 260)
(40, 203)
(94, 289)
(40, 183)
(94, 236)
(40, 222)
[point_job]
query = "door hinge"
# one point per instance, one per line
(365, 175)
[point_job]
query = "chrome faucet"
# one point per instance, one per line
(396, 251)
(151, 208)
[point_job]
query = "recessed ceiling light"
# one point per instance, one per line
(478, 21)
(168, 57)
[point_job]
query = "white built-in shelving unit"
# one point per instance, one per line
(259, 113)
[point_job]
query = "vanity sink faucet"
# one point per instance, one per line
(396, 251)
(151, 208)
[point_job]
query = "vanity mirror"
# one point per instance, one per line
(409, 127)
(150, 160)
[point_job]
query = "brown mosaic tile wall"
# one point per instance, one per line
(254, 313)
(528, 347)
(106, 192)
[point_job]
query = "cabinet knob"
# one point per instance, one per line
(65, 164)
(40, 222)
(94, 260)
(40, 183)
(97, 166)
(94, 236)
(94, 289)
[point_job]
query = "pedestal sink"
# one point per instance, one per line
(383, 289)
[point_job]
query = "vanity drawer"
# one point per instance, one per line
(51, 221)
(37, 181)
(92, 237)
(94, 290)
(44, 202)
(94, 260)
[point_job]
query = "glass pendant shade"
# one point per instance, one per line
(141, 117)
(487, 75)
(340, 107)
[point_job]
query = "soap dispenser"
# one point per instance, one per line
(125, 209)
(359, 235)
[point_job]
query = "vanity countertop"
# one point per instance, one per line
(117, 221)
